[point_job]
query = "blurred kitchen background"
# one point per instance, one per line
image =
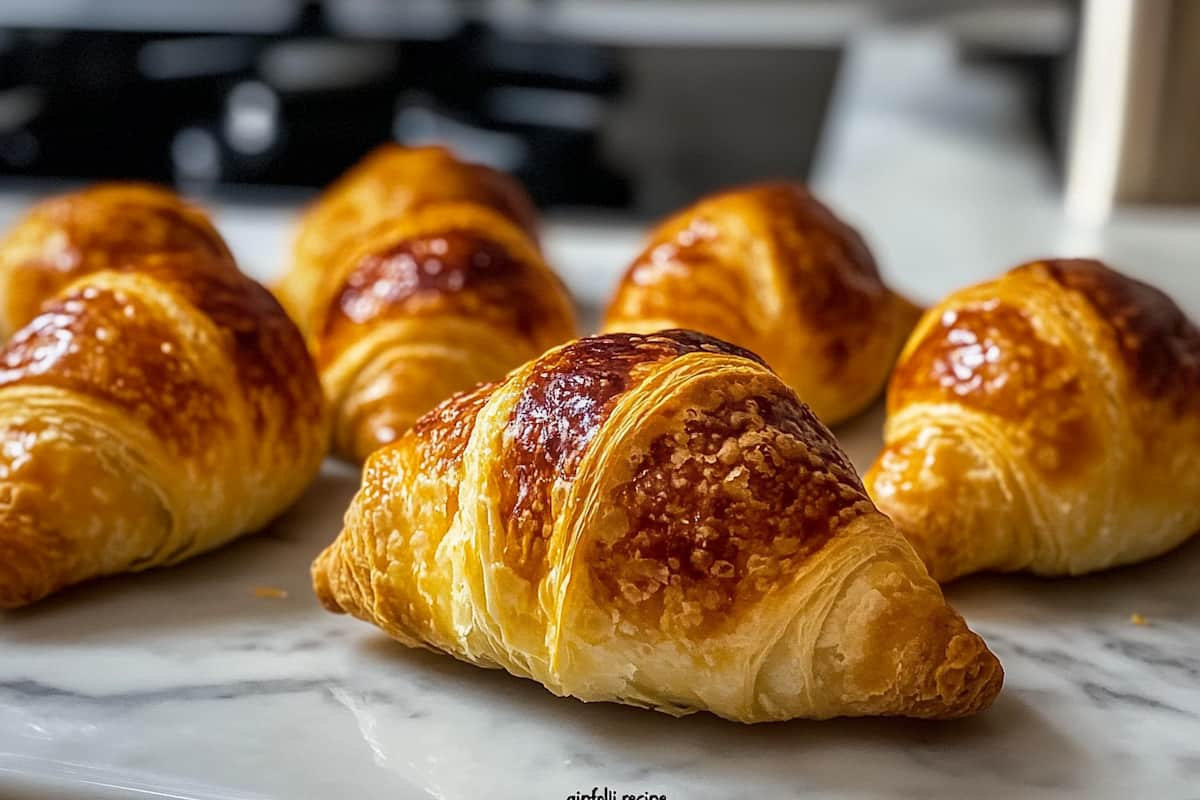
(962, 137)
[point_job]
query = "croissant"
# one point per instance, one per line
(1047, 421)
(425, 304)
(94, 229)
(653, 520)
(151, 411)
(389, 183)
(770, 268)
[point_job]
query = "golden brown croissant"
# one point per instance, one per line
(94, 229)
(151, 411)
(1047, 421)
(770, 268)
(424, 304)
(654, 520)
(389, 183)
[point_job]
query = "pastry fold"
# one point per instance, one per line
(156, 406)
(770, 268)
(100, 227)
(389, 183)
(1047, 421)
(653, 520)
(432, 289)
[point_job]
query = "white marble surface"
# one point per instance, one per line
(184, 684)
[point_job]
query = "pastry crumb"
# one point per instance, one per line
(1138, 619)
(270, 592)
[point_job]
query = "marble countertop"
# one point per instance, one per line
(187, 683)
(184, 683)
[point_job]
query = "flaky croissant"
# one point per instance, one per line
(773, 270)
(424, 304)
(1047, 421)
(659, 521)
(389, 183)
(151, 411)
(98, 228)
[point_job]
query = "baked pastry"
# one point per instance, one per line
(435, 298)
(389, 183)
(653, 520)
(98, 228)
(770, 268)
(150, 412)
(1047, 421)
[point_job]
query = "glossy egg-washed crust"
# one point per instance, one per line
(655, 520)
(769, 267)
(1047, 421)
(389, 183)
(438, 296)
(153, 409)
(98, 228)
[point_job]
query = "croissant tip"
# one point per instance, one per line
(966, 683)
(971, 677)
(30, 563)
(322, 585)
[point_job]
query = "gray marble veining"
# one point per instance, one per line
(185, 683)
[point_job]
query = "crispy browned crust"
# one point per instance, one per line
(657, 520)
(432, 289)
(1063, 391)
(106, 226)
(567, 396)
(769, 267)
(1159, 344)
(390, 183)
(152, 410)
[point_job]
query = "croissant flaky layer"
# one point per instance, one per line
(102, 227)
(772, 269)
(434, 290)
(1046, 421)
(389, 183)
(151, 411)
(654, 520)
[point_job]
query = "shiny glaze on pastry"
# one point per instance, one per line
(429, 301)
(150, 412)
(389, 183)
(101, 227)
(654, 520)
(1047, 421)
(771, 268)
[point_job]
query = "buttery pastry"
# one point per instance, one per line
(98, 228)
(389, 183)
(1047, 421)
(151, 411)
(770, 268)
(426, 303)
(659, 521)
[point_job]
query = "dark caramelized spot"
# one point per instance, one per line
(832, 276)
(113, 347)
(724, 509)
(274, 370)
(107, 227)
(1160, 345)
(456, 270)
(990, 357)
(827, 270)
(566, 398)
(443, 432)
(392, 182)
